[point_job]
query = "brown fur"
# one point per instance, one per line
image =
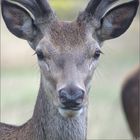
(131, 101)
(68, 55)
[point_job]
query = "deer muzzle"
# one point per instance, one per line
(71, 100)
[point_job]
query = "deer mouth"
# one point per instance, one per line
(70, 112)
(72, 108)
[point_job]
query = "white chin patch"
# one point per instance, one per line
(70, 113)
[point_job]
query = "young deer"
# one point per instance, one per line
(68, 54)
(131, 101)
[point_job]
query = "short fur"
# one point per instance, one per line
(68, 54)
(131, 101)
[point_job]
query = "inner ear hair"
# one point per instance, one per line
(21, 6)
(117, 20)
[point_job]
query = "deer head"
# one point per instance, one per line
(68, 52)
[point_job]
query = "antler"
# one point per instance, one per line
(97, 8)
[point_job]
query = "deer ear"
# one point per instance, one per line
(18, 20)
(117, 21)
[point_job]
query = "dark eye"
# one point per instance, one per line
(97, 54)
(40, 55)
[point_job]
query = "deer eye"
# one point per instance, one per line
(40, 55)
(97, 54)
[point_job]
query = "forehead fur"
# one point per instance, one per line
(67, 34)
(67, 37)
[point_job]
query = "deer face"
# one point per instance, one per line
(67, 52)
(67, 57)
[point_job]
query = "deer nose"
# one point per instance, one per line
(71, 97)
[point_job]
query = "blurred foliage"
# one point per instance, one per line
(67, 9)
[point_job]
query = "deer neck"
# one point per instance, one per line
(50, 125)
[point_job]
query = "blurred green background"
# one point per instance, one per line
(20, 77)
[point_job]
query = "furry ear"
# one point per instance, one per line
(117, 21)
(18, 20)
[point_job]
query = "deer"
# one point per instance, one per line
(68, 53)
(130, 97)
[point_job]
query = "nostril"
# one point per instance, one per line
(79, 101)
(79, 96)
(71, 97)
(63, 95)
